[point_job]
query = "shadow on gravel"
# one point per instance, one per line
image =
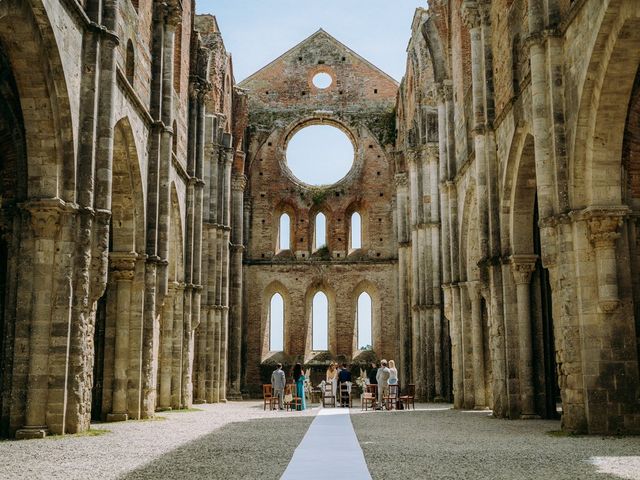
(260, 448)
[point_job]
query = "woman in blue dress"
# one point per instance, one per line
(298, 377)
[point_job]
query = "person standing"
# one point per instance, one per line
(344, 377)
(393, 373)
(373, 374)
(383, 381)
(278, 382)
(299, 378)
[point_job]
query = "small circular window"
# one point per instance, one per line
(322, 80)
(320, 154)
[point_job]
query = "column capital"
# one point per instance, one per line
(239, 182)
(474, 289)
(45, 216)
(522, 267)
(476, 13)
(122, 265)
(604, 224)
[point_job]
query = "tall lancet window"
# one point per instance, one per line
(284, 232)
(276, 323)
(365, 321)
(320, 234)
(356, 231)
(320, 322)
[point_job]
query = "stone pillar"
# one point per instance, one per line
(238, 185)
(604, 231)
(45, 218)
(178, 332)
(475, 297)
(522, 267)
(123, 265)
(404, 328)
(166, 350)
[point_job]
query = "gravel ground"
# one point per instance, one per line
(437, 442)
(236, 437)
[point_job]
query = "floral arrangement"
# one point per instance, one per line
(362, 380)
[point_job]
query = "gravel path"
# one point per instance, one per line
(236, 437)
(435, 442)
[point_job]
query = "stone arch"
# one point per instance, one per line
(127, 204)
(436, 50)
(595, 168)
(366, 286)
(470, 253)
(176, 242)
(269, 291)
(118, 317)
(357, 206)
(284, 207)
(330, 226)
(320, 285)
(27, 37)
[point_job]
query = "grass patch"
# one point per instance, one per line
(98, 432)
(185, 410)
(156, 418)
(562, 434)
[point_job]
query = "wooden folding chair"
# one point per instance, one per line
(328, 395)
(409, 398)
(369, 397)
(345, 395)
(267, 396)
(391, 399)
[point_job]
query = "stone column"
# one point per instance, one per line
(178, 332)
(404, 327)
(238, 185)
(475, 297)
(166, 350)
(522, 267)
(123, 265)
(45, 218)
(604, 231)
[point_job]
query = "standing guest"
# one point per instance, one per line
(298, 377)
(332, 378)
(373, 373)
(393, 373)
(383, 382)
(278, 381)
(344, 377)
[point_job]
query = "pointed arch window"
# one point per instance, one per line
(364, 316)
(320, 232)
(276, 323)
(320, 322)
(284, 232)
(130, 62)
(356, 231)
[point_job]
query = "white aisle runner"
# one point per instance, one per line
(329, 450)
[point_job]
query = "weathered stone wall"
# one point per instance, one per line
(282, 99)
(102, 211)
(539, 278)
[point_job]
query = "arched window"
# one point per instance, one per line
(130, 62)
(276, 323)
(320, 233)
(356, 231)
(284, 232)
(174, 144)
(320, 322)
(364, 316)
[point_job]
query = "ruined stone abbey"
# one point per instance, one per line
(157, 250)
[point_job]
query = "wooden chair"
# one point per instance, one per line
(345, 395)
(369, 397)
(409, 398)
(328, 395)
(267, 396)
(295, 400)
(391, 399)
